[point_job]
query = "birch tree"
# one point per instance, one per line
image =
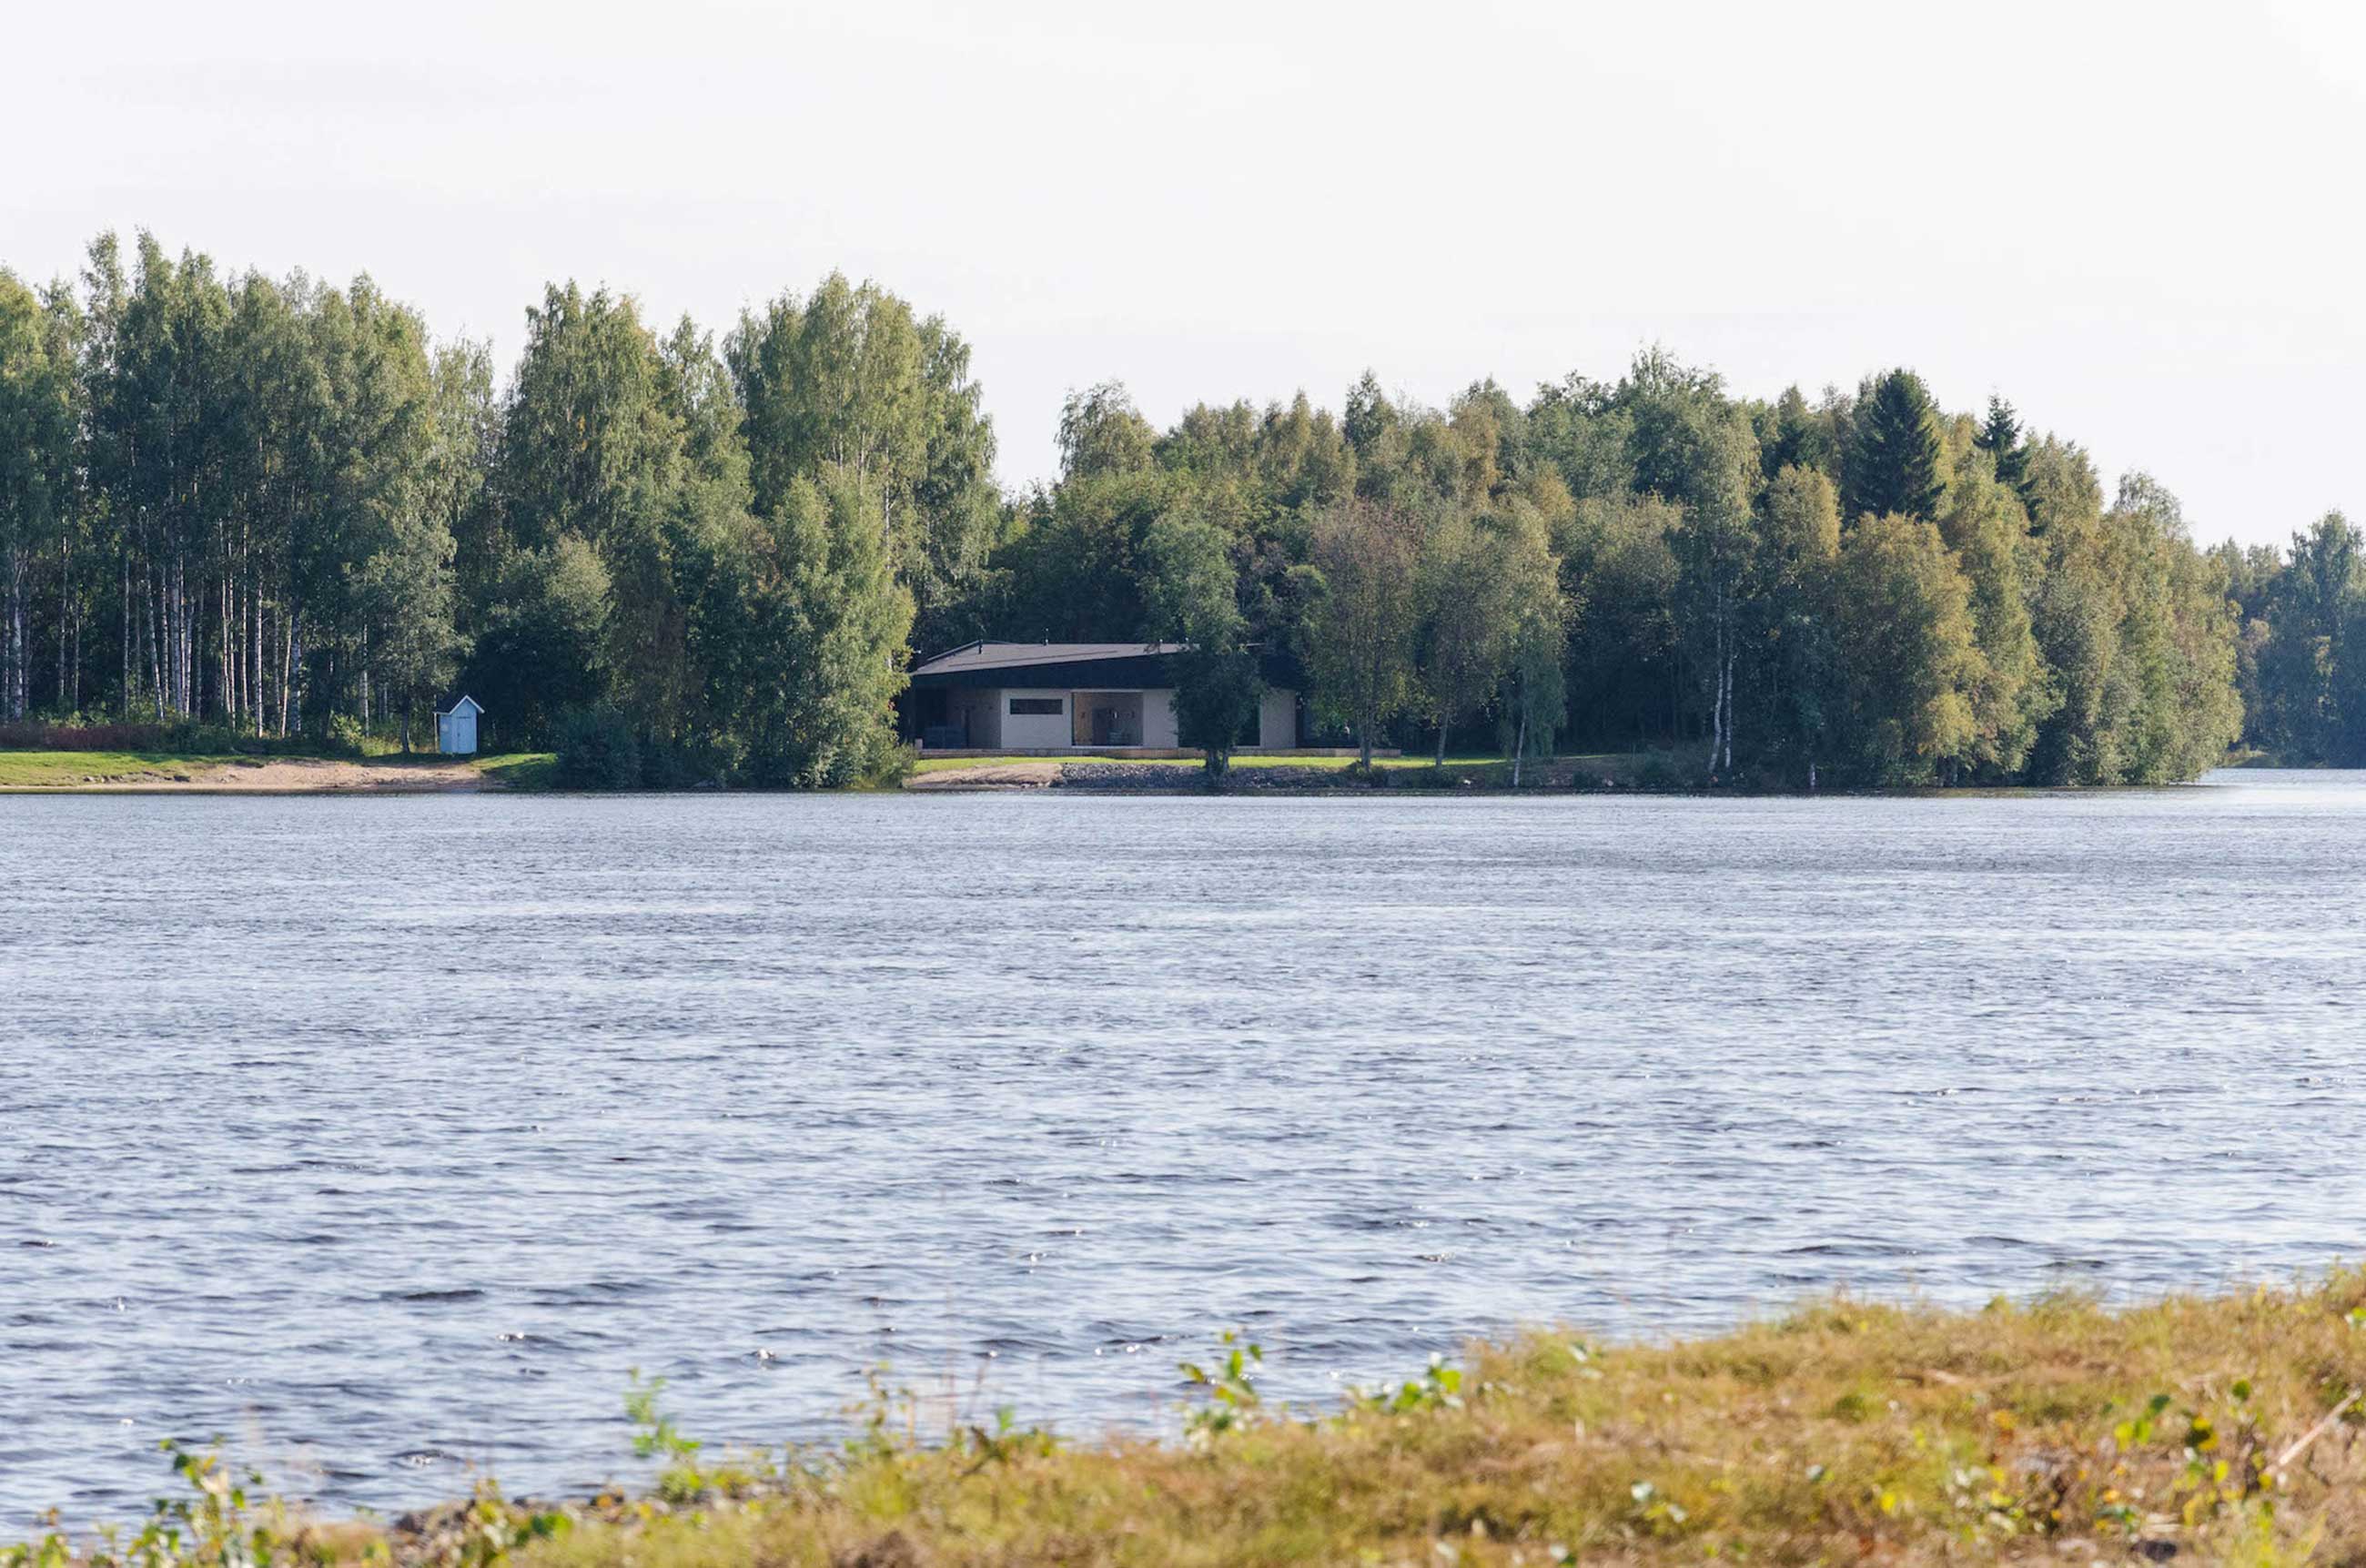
(1360, 639)
(37, 430)
(1191, 596)
(1468, 618)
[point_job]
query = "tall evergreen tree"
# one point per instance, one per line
(1894, 455)
(1999, 437)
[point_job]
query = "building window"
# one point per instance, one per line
(1047, 706)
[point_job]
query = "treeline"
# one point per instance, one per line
(2301, 660)
(1864, 589)
(278, 508)
(281, 508)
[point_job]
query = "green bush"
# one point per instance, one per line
(1659, 771)
(892, 766)
(597, 749)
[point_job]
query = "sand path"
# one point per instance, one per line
(293, 776)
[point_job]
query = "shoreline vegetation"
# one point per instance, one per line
(676, 556)
(1669, 774)
(2222, 1430)
(1663, 772)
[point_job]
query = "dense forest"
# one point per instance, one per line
(281, 509)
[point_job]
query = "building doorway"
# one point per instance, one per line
(1105, 718)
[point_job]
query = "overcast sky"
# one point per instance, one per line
(2141, 223)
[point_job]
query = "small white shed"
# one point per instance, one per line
(456, 730)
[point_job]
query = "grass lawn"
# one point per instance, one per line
(67, 770)
(520, 769)
(1240, 759)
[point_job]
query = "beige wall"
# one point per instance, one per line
(1031, 731)
(1277, 720)
(992, 725)
(1158, 719)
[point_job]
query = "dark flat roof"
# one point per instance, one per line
(1027, 655)
(1073, 666)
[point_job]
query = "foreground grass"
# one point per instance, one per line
(1845, 1432)
(2208, 1430)
(64, 770)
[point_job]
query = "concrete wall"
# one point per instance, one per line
(1277, 720)
(1158, 719)
(1030, 731)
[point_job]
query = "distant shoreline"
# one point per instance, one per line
(1659, 775)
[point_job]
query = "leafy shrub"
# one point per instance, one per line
(1234, 1400)
(597, 749)
(1658, 772)
(890, 766)
(76, 734)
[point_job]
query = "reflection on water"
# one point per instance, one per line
(381, 1137)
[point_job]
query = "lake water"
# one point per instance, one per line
(381, 1137)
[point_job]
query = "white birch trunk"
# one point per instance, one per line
(287, 631)
(1729, 708)
(1716, 701)
(254, 649)
(155, 638)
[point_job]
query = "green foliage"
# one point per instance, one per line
(1075, 568)
(1102, 432)
(1999, 437)
(1233, 1400)
(540, 649)
(1439, 1387)
(1190, 597)
(1984, 524)
(1909, 660)
(1360, 639)
(656, 1436)
(810, 635)
(2307, 655)
(1467, 619)
(849, 380)
(1894, 459)
(277, 508)
(597, 749)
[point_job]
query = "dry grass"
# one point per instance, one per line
(2205, 1430)
(2055, 1432)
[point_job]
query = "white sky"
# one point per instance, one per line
(2140, 222)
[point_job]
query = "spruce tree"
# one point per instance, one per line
(2001, 439)
(1894, 460)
